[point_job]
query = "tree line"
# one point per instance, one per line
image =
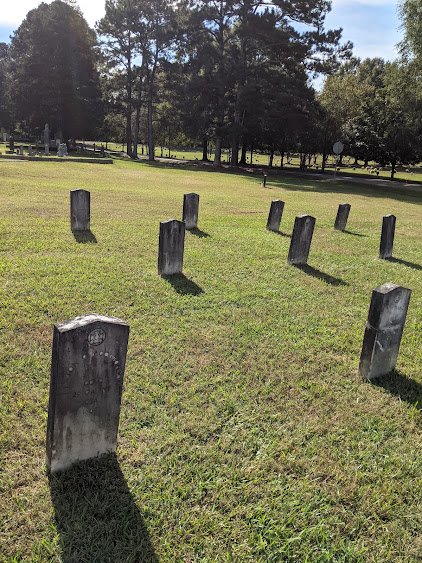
(232, 75)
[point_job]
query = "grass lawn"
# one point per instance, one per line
(246, 433)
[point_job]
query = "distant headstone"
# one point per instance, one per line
(80, 210)
(21, 150)
(30, 151)
(102, 151)
(264, 181)
(387, 236)
(60, 151)
(190, 210)
(46, 135)
(384, 329)
(171, 247)
(87, 369)
(47, 150)
(342, 216)
(275, 215)
(11, 143)
(301, 239)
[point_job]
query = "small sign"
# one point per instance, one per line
(338, 147)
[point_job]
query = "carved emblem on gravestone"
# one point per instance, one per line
(96, 337)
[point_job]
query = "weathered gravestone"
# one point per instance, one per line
(387, 236)
(190, 210)
(80, 210)
(21, 150)
(301, 239)
(384, 329)
(275, 215)
(88, 364)
(30, 151)
(171, 247)
(342, 216)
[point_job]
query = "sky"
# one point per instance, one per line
(372, 25)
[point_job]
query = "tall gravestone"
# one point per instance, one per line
(80, 210)
(342, 216)
(171, 247)
(87, 368)
(301, 239)
(30, 151)
(384, 329)
(190, 210)
(21, 150)
(11, 143)
(387, 236)
(275, 215)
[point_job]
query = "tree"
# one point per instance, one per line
(53, 72)
(5, 110)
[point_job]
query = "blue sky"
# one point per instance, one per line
(372, 25)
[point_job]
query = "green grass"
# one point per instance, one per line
(245, 432)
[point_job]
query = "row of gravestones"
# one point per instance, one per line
(61, 150)
(89, 353)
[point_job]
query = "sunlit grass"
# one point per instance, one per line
(246, 433)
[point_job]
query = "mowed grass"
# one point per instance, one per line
(246, 433)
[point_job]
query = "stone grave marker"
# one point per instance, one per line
(21, 150)
(301, 239)
(275, 215)
(342, 216)
(171, 247)
(384, 329)
(87, 368)
(190, 210)
(30, 151)
(387, 236)
(80, 210)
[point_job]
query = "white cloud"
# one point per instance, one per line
(368, 3)
(12, 13)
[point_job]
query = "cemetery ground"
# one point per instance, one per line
(245, 432)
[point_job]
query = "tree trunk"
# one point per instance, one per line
(324, 160)
(251, 153)
(271, 159)
(282, 159)
(243, 155)
(151, 148)
(235, 151)
(137, 119)
(204, 149)
(217, 154)
(393, 168)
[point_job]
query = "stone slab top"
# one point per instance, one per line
(387, 287)
(390, 215)
(78, 322)
(305, 215)
(171, 221)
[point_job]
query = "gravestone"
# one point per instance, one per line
(171, 247)
(301, 239)
(275, 215)
(30, 151)
(11, 143)
(342, 216)
(87, 369)
(21, 150)
(384, 329)
(387, 236)
(60, 151)
(80, 210)
(190, 210)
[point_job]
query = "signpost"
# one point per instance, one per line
(337, 149)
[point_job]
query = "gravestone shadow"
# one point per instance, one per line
(405, 263)
(311, 271)
(354, 234)
(183, 285)
(398, 385)
(96, 516)
(198, 233)
(280, 233)
(84, 237)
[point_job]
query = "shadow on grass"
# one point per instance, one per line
(405, 263)
(96, 516)
(84, 237)
(280, 233)
(398, 385)
(198, 233)
(354, 234)
(183, 285)
(311, 271)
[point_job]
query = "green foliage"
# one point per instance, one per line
(53, 72)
